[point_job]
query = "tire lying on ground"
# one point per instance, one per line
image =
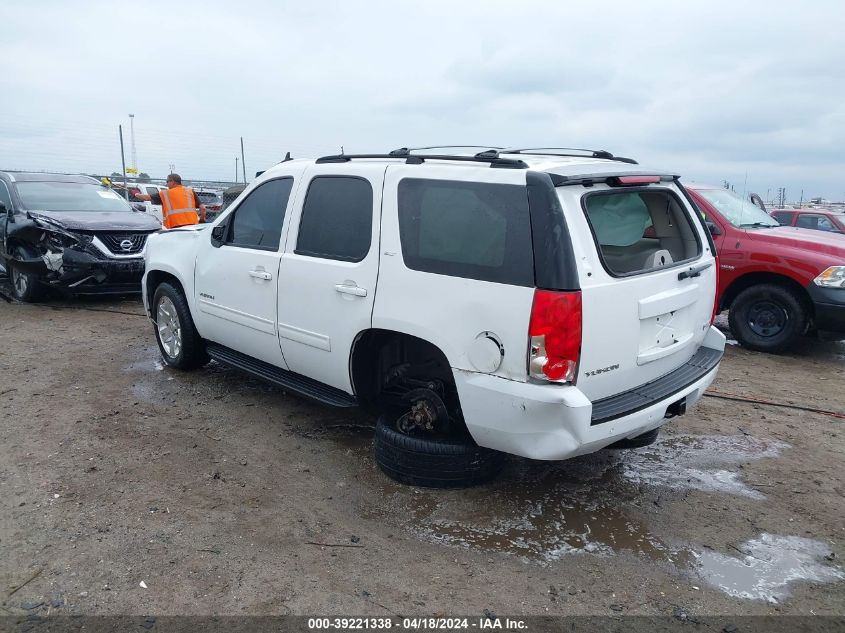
(433, 462)
(646, 439)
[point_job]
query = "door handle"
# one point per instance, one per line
(351, 290)
(260, 274)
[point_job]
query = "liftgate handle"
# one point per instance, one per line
(693, 272)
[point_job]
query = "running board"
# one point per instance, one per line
(283, 378)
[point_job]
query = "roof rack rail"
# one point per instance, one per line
(408, 150)
(564, 151)
(418, 159)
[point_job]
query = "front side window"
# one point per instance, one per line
(5, 198)
(257, 222)
(736, 210)
(466, 229)
(70, 196)
(337, 219)
(639, 231)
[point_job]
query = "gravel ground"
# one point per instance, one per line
(130, 488)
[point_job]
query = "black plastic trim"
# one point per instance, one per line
(644, 396)
(588, 180)
(554, 257)
(289, 380)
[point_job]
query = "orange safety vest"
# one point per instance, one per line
(178, 207)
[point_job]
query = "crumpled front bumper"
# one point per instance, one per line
(82, 272)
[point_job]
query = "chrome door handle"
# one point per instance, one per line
(260, 274)
(351, 290)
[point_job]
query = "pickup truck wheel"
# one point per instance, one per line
(646, 439)
(178, 340)
(433, 462)
(768, 318)
(25, 286)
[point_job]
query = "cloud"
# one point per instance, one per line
(713, 88)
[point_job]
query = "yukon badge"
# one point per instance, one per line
(603, 370)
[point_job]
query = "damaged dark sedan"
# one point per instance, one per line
(70, 233)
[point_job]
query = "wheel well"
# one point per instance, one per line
(154, 279)
(753, 279)
(379, 355)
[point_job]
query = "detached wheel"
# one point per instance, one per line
(768, 318)
(25, 286)
(178, 340)
(433, 462)
(646, 439)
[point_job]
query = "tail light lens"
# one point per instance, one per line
(554, 336)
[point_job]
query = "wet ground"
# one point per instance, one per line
(225, 496)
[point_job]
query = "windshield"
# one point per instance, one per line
(739, 212)
(70, 196)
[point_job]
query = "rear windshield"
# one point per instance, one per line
(70, 196)
(642, 230)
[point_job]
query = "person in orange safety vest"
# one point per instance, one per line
(179, 205)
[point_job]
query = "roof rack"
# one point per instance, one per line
(565, 151)
(490, 156)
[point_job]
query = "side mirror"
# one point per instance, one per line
(218, 234)
(714, 230)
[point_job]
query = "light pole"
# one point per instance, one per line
(132, 143)
(236, 170)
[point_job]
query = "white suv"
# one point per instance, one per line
(545, 303)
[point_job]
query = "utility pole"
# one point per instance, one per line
(236, 170)
(243, 160)
(801, 200)
(132, 144)
(172, 168)
(123, 162)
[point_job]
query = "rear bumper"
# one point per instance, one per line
(829, 308)
(551, 422)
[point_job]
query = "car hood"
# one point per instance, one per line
(805, 239)
(98, 220)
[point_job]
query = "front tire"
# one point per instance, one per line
(768, 318)
(433, 462)
(25, 286)
(178, 340)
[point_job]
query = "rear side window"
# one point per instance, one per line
(337, 219)
(783, 218)
(466, 229)
(817, 222)
(257, 222)
(640, 231)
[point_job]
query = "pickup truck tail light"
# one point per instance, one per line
(554, 336)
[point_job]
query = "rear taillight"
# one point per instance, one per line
(554, 336)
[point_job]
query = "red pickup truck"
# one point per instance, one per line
(779, 282)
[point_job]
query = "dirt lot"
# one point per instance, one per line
(216, 492)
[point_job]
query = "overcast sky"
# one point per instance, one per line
(749, 92)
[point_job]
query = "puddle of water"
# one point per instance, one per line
(697, 462)
(769, 566)
(536, 512)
